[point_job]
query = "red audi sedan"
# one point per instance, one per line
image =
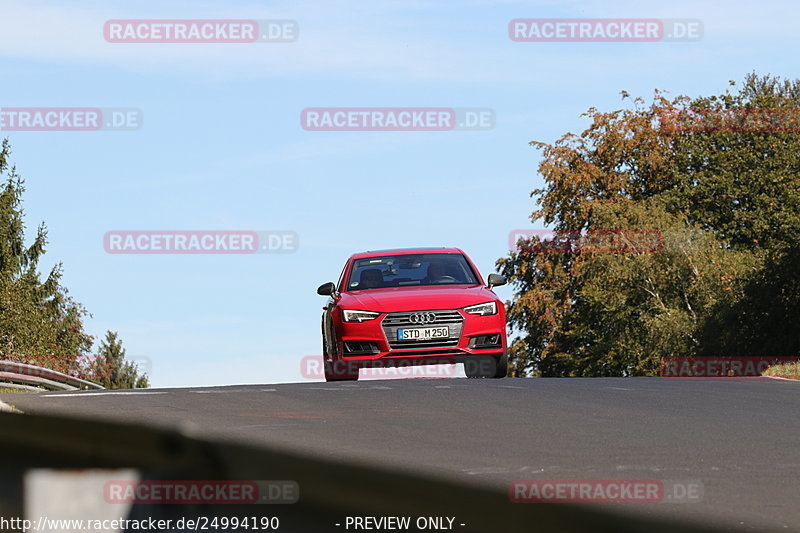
(413, 307)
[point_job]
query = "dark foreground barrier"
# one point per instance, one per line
(328, 496)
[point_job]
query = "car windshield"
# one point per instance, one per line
(410, 270)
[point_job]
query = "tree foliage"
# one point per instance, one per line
(115, 372)
(726, 201)
(40, 323)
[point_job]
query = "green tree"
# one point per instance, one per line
(112, 370)
(724, 200)
(39, 322)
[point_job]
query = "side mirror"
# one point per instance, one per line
(326, 289)
(496, 280)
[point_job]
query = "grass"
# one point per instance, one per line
(16, 387)
(788, 370)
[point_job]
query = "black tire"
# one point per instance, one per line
(486, 367)
(335, 372)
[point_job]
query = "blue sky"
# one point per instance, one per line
(222, 148)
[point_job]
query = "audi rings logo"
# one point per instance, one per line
(422, 318)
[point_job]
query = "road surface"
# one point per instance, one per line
(739, 438)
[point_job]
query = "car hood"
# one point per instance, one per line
(416, 298)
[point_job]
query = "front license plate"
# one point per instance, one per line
(423, 334)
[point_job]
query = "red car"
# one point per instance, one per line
(413, 307)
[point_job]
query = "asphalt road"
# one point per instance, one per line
(739, 438)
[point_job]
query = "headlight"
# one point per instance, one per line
(489, 308)
(358, 316)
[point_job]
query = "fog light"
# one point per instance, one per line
(485, 341)
(360, 348)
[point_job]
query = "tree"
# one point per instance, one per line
(39, 322)
(112, 370)
(724, 200)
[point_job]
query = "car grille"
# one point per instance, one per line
(447, 317)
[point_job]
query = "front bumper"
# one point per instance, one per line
(374, 343)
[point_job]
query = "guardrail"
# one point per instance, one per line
(35, 377)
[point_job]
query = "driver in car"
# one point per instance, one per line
(436, 271)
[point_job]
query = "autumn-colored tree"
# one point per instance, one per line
(725, 200)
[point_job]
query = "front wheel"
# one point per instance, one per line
(486, 367)
(340, 371)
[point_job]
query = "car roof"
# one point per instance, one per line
(406, 251)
